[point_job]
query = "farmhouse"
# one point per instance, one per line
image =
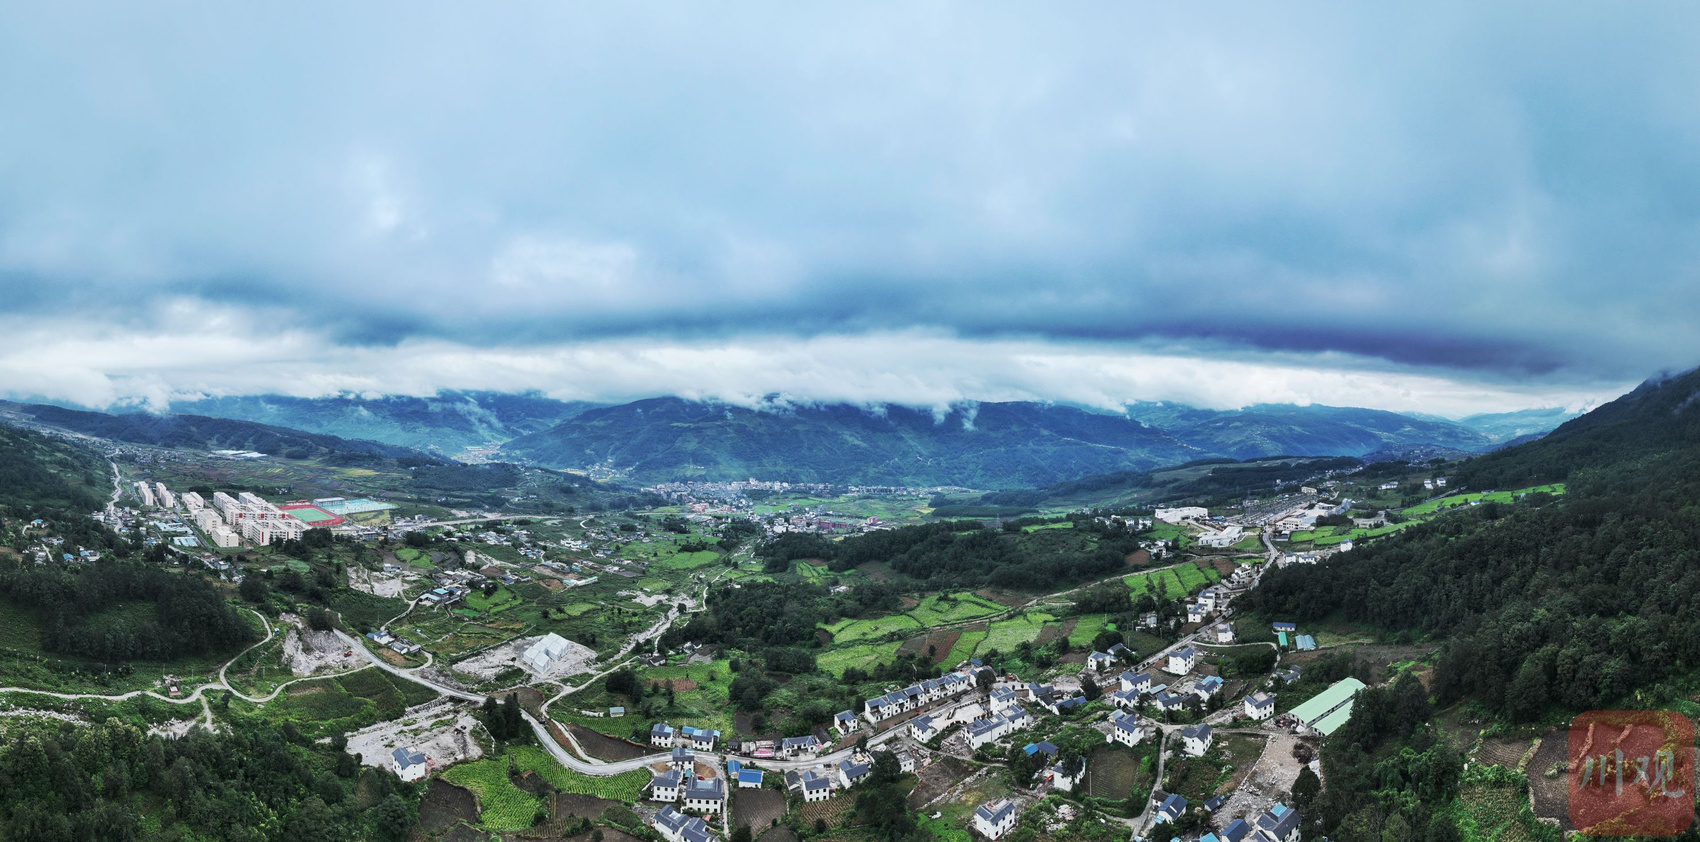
(1002, 699)
(1260, 705)
(1127, 729)
(1100, 661)
(705, 795)
(665, 786)
(661, 734)
(1196, 739)
(1061, 779)
(1225, 633)
(846, 722)
(1136, 682)
(793, 746)
(995, 818)
(923, 728)
(813, 785)
(850, 774)
(1279, 823)
(1181, 661)
(675, 826)
(409, 764)
(1172, 808)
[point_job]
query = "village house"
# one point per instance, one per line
(1181, 661)
(993, 819)
(1100, 661)
(705, 795)
(409, 763)
(1259, 705)
(812, 785)
(846, 722)
(664, 787)
(1196, 739)
(1172, 808)
(675, 826)
(1135, 682)
(1127, 729)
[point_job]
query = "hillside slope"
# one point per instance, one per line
(992, 445)
(446, 422)
(988, 445)
(198, 432)
(1549, 605)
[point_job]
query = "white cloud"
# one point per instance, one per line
(211, 353)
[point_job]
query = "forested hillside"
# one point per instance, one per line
(965, 553)
(988, 446)
(1572, 602)
(200, 432)
(40, 475)
(445, 422)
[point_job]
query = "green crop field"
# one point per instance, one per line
(940, 609)
(851, 631)
(503, 807)
(623, 787)
(965, 646)
(1086, 628)
(1447, 502)
(837, 661)
(1005, 635)
(1180, 580)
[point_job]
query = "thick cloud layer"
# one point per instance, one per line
(1454, 208)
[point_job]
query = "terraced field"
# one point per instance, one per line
(1005, 635)
(1178, 581)
(853, 630)
(837, 661)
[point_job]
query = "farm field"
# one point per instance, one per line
(965, 646)
(853, 630)
(1114, 771)
(624, 787)
(502, 807)
(939, 609)
(1005, 635)
(1432, 506)
(837, 661)
(1177, 581)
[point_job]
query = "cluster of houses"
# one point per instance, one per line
(1279, 823)
(899, 702)
(663, 735)
(398, 645)
(676, 785)
(1134, 687)
(675, 826)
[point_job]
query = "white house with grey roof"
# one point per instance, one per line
(1181, 661)
(846, 722)
(1127, 729)
(409, 763)
(995, 818)
(1260, 705)
(1196, 739)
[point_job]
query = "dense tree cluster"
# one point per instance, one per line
(246, 783)
(965, 553)
(86, 611)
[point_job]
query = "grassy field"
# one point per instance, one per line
(624, 787)
(851, 631)
(1005, 635)
(965, 646)
(1085, 629)
(837, 661)
(502, 807)
(1178, 581)
(939, 609)
(1447, 502)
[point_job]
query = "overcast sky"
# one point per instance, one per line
(1449, 208)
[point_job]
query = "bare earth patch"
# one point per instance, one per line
(605, 747)
(757, 808)
(943, 641)
(1054, 631)
(444, 729)
(446, 805)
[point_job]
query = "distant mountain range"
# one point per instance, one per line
(445, 423)
(987, 445)
(198, 432)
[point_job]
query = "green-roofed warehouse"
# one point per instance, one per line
(1333, 721)
(1331, 708)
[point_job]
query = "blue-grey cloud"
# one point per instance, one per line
(1494, 194)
